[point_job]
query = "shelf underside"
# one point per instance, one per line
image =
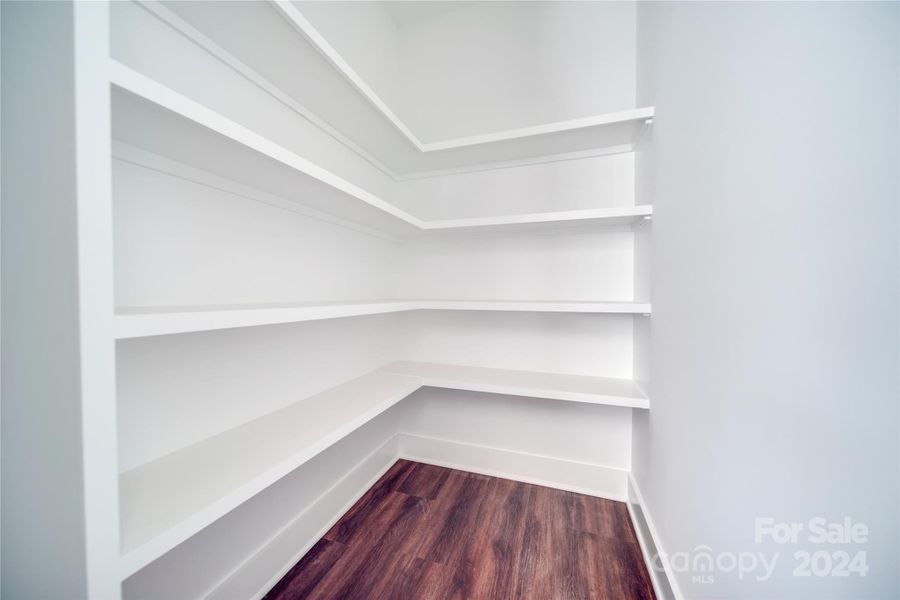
(164, 502)
(150, 321)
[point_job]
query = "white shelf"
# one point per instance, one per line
(536, 306)
(155, 118)
(150, 321)
(626, 216)
(168, 500)
(631, 120)
(572, 388)
(143, 322)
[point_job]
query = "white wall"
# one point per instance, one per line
(568, 431)
(194, 241)
(503, 65)
(775, 317)
(563, 265)
(590, 182)
(597, 345)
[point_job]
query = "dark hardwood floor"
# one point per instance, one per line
(429, 533)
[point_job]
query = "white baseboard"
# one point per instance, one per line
(664, 583)
(548, 471)
(275, 557)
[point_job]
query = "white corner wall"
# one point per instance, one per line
(775, 325)
(465, 72)
(548, 186)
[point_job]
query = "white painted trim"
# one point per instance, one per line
(328, 498)
(652, 547)
(194, 35)
(648, 551)
(548, 471)
(302, 25)
(96, 350)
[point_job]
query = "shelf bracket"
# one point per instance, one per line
(642, 133)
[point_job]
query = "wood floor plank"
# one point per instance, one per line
(456, 518)
(350, 523)
(424, 481)
(435, 582)
(533, 569)
(303, 577)
(494, 549)
(358, 574)
(429, 533)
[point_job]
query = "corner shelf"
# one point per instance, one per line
(168, 500)
(151, 321)
(152, 117)
(553, 386)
